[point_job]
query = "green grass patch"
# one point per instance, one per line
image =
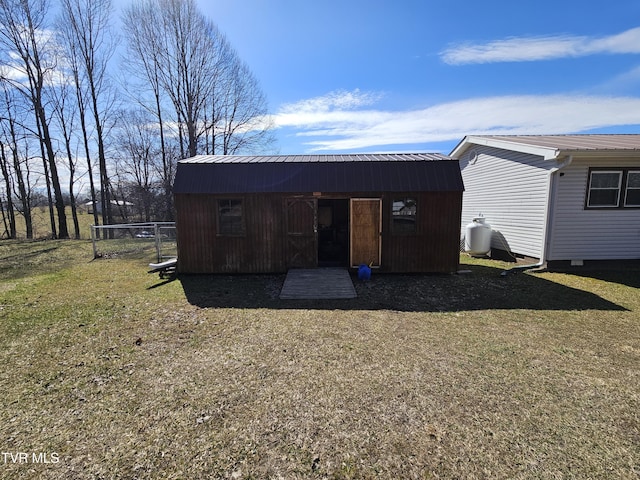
(123, 375)
(41, 222)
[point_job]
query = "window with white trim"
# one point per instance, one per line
(632, 194)
(604, 188)
(613, 188)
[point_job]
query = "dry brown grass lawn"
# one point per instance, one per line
(122, 375)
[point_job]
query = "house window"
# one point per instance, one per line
(632, 195)
(613, 188)
(230, 217)
(604, 188)
(404, 214)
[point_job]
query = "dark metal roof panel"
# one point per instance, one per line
(222, 177)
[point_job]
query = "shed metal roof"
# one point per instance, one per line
(554, 146)
(349, 157)
(318, 173)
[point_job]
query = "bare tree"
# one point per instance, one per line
(143, 62)
(185, 44)
(84, 26)
(65, 112)
(73, 68)
(191, 46)
(24, 40)
(16, 168)
(217, 103)
(8, 216)
(139, 151)
(243, 123)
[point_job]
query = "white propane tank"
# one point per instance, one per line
(477, 239)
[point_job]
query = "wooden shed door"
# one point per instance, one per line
(302, 228)
(366, 228)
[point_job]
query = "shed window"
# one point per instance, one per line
(632, 196)
(230, 217)
(404, 214)
(613, 188)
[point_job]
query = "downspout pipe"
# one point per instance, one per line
(547, 219)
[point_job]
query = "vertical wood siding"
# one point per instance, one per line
(263, 248)
(435, 247)
(510, 190)
(202, 250)
(579, 234)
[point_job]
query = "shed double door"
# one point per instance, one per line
(366, 231)
(365, 225)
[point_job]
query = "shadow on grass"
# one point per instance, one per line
(481, 289)
(20, 259)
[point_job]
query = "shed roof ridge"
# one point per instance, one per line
(313, 158)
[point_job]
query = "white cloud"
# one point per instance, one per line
(12, 72)
(628, 80)
(526, 49)
(52, 61)
(340, 99)
(337, 129)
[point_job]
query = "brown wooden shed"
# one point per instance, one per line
(258, 214)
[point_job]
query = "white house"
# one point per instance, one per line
(120, 204)
(561, 199)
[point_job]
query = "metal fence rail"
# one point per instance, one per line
(135, 238)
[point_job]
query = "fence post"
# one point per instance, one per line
(93, 241)
(156, 231)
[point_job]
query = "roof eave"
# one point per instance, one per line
(609, 153)
(547, 153)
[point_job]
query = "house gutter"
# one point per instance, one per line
(547, 219)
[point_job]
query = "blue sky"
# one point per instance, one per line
(409, 75)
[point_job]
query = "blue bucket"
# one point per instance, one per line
(364, 272)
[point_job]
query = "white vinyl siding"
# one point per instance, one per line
(579, 233)
(510, 190)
